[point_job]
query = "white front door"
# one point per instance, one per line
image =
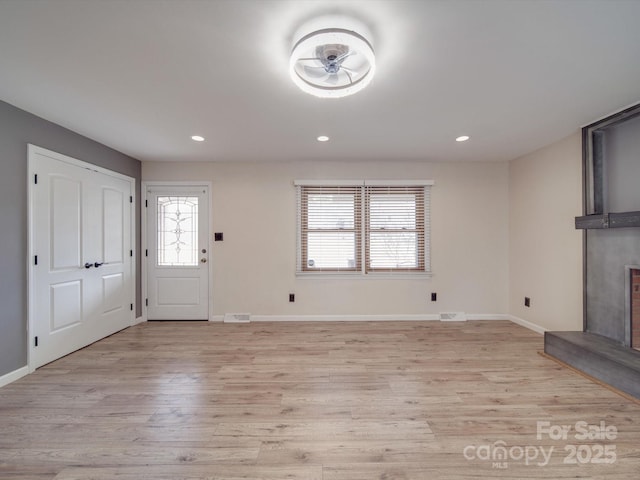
(81, 270)
(178, 252)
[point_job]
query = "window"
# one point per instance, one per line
(395, 228)
(177, 231)
(331, 225)
(363, 228)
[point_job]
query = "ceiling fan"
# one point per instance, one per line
(332, 62)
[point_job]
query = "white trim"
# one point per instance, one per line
(362, 183)
(133, 246)
(328, 183)
(487, 316)
(421, 317)
(30, 245)
(216, 318)
(187, 186)
(13, 376)
(360, 187)
(350, 274)
(525, 323)
(140, 319)
(151, 185)
(34, 149)
(344, 318)
(399, 183)
(143, 249)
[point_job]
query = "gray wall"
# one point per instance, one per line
(17, 129)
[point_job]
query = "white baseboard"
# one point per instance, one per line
(487, 316)
(343, 318)
(424, 317)
(139, 320)
(13, 376)
(526, 324)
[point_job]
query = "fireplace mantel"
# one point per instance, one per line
(608, 220)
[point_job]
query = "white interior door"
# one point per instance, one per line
(81, 274)
(178, 252)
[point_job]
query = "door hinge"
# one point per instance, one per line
(131, 253)
(146, 302)
(35, 178)
(35, 341)
(132, 307)
(146, 203)
(130, 198)
(146, 253)
(35, 259)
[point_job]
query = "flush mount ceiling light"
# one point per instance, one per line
(197, 138)
(462, 138)
(332, 62)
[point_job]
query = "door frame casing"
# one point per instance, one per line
(145, 237)
(33, 150)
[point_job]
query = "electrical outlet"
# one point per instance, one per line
(434, 296)
(527, 302)
(292, 297)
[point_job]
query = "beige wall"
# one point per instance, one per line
(545, 250)
(254, 268)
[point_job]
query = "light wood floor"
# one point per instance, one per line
(310, 401)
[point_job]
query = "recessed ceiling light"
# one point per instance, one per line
(323, 138)
(197, 138)
(462, 138)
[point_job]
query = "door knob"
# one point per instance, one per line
(97, 264)
(203, 260)
(88, 265)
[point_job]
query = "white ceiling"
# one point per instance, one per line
(142, 76)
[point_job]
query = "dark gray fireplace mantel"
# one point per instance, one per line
(608, 220)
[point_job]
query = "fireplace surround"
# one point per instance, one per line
(632, 306)
(608, 348)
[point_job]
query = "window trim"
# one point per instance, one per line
(304, 231)
(421, 244)
(362, 231)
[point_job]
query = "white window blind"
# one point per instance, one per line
(362, 228)
(330, 228)
(395, 229)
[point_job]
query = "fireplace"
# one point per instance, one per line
(608, 348)
(632, 310)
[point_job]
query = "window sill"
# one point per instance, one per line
(365, 276)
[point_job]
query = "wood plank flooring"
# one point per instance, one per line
(313, 401)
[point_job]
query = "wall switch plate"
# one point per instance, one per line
(292, 297)
(527, 302)
(218, 237)
(434, 296)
